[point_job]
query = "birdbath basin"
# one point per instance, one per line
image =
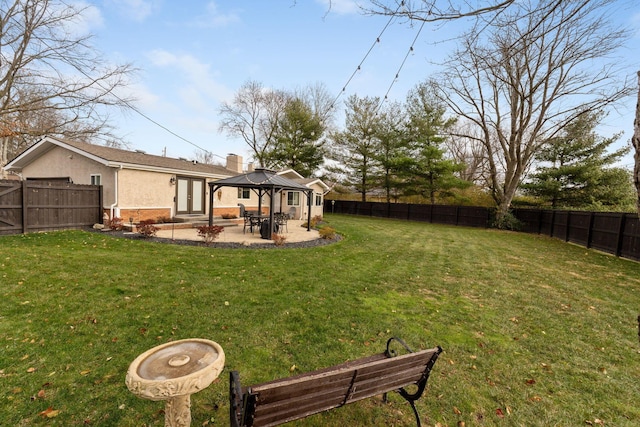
(173, 372)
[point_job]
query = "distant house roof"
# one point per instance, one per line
(114, 157)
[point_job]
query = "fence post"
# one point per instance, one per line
(540, 215)
(590, 230)
(100, 207)
(566, 230)
(24, 206)
(623, 223)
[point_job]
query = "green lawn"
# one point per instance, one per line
(535, 331)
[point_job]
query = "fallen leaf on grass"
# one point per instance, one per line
(50, 412)
(499, 413)
(85, 372)
(456, 411)
(41, 394)
(31, 370)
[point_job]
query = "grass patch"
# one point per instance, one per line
(535, 331)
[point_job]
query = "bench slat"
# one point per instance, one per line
(305, 383)
(287, 399)
(361, 389)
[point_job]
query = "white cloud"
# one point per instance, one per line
(215, 18)
(199, 87)
(88, 18)
(136, 10)
(341, 7)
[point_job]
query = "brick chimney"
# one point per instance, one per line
(234, 162)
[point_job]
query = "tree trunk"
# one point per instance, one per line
(635, 140)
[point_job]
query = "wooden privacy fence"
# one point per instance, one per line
(31, 206)
(612, 232)
(471, 216)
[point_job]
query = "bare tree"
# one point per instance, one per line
(317, 96)
(52, 81)
(535, 71)
(253, 115)
(436, 10)
(465, 148)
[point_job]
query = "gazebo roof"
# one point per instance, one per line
(260, 178)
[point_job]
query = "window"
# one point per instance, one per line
(96, 179)
(244, 193)
(318, 199)
(293, 198)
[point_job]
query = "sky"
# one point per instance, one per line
(193, 55)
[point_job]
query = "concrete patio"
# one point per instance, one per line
(233, 233)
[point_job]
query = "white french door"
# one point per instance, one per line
(189, 196)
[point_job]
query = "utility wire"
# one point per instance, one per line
(393, 82)
(125, 102)
(359, 67)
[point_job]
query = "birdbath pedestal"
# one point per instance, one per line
(173, 372)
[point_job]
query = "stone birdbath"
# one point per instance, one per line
(173, 372)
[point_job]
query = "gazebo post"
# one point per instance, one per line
(211, 192)
(309, 194)
(271, 207)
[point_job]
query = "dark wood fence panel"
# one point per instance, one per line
(629, 246)
(612, 232)
(579, 228)
(30, 206)
(10, 207)
(605, 231)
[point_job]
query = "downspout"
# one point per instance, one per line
(115, 189)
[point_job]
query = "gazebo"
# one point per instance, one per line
(262, 182)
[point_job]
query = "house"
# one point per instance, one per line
(139, 186)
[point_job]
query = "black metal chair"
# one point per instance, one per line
(281, 220)
(248, 222)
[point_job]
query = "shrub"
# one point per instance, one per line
(209, 233)
(228, 216)
(316, 220)
(507, 222)
(164, 220)
(278, 239)
(147, 229)
(327, 233)
(115, 223)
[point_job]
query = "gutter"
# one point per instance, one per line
(115, 194)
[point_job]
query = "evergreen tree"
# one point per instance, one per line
(428, 172)
(393, 154)
(298, 137)
(576, 168)
(354, 150)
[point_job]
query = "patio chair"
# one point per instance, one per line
(292, 213)
(249, 221)
(281, 220)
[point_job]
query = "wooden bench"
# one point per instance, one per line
(287, 399)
